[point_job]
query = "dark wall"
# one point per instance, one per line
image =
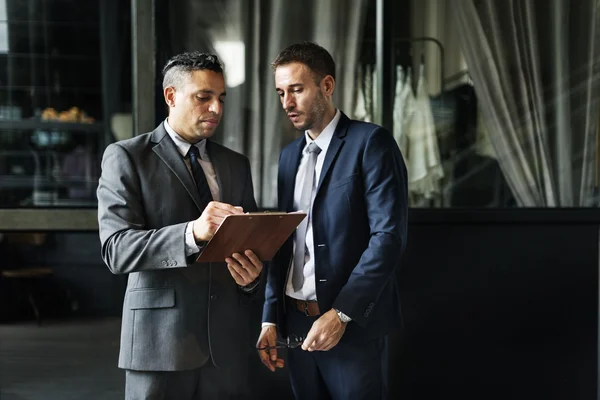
(500, 307)
(500, 304)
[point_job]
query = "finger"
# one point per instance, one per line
(308, 342)
(228, 208)
(236, 277)
(219, 210)
(254, 259)
(213, 224)
(329, 344)
(280, 363)
(242, 272)
(266, 356)
(252, 270)
(217, 213)
(266, 360)
(318, 343)
(245, 267)
(273, 352)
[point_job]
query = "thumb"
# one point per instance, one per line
(272, 351)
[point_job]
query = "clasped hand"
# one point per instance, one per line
(325, 333)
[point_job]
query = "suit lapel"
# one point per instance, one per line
(167, 151)
(291, 169)
(334, 147)
(222, 170)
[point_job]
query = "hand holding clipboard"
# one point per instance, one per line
(263, 233)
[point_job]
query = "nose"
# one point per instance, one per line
(216, 107)
(287, 102)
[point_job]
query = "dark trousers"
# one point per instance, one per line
(351, 370)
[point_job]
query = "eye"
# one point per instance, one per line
(203, 98)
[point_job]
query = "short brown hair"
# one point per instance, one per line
(315, 57)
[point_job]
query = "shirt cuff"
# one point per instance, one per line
(190, 243)
(268, 324)
(250, 287)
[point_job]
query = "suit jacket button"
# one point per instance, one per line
(174, 262)
(164, 263)
(214, 296)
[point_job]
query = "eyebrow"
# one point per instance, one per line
(206, 91)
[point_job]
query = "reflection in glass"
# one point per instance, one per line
(247, 36)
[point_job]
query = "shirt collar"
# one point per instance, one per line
(183, 146)
(324, 138)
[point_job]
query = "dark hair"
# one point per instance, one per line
(188, 62)
(315, 57)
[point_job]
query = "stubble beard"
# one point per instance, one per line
(316, 113)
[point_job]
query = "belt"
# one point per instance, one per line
(309, 308)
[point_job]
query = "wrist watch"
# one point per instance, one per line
(343, 317)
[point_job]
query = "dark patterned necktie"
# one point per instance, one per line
(199, 177)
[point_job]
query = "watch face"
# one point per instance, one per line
(342, 317)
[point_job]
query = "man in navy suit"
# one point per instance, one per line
(333, 282)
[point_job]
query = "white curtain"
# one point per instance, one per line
(534, 64)
(431, 18)
(248, 35)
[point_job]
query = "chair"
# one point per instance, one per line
(26, 280)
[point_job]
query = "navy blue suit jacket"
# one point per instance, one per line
(359, 219)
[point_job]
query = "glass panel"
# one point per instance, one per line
(507, 115)
(248, 36)
(52, 98)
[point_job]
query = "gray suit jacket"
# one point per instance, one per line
(177, 313)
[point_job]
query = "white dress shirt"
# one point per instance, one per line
(308, 289)
(183, 147)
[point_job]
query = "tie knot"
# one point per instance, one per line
(313, 148)
(193, 153)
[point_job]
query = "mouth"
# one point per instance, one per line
(211, 122)
(294, 117)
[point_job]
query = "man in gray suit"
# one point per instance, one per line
(161, 197)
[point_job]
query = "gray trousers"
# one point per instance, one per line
(162, 385)
(206, 383)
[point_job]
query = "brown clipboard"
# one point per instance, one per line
(263, 233)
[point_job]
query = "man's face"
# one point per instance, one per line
(301, 98)
(196, 107)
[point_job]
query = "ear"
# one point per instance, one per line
(169, 93)
(328, 85)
